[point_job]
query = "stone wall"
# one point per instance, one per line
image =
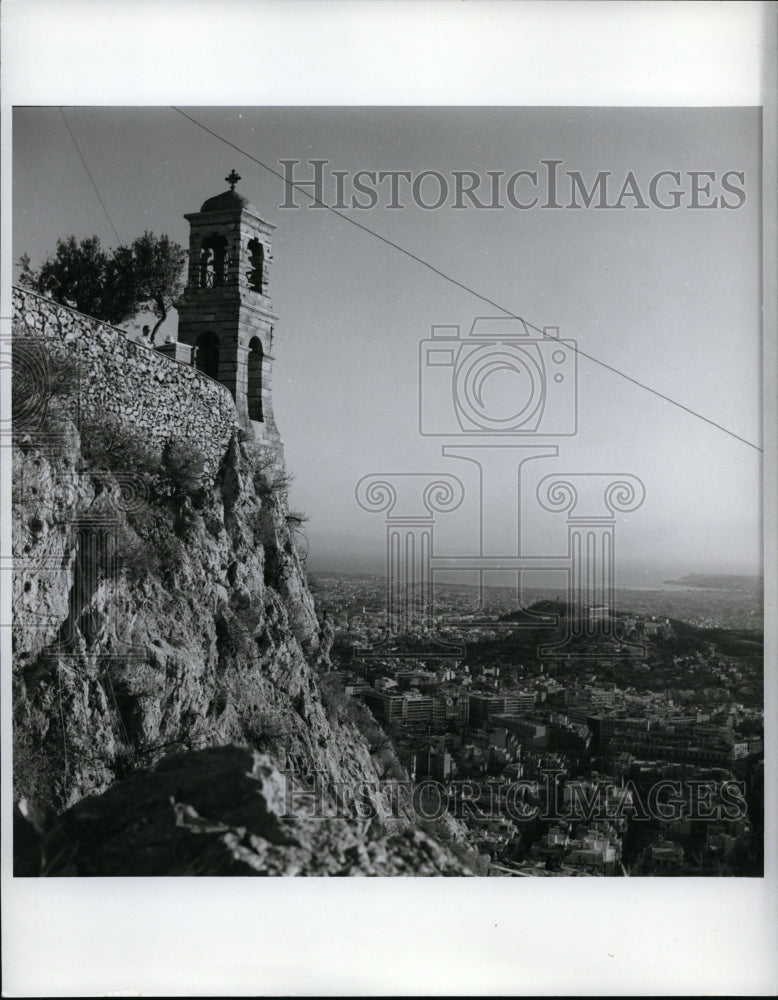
(153, 394)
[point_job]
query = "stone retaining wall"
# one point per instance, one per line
(156, 395)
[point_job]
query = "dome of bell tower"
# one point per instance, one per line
(229, 200)
(225, 202)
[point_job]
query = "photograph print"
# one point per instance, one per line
(387, 491)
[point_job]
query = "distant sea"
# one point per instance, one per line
(635, 580)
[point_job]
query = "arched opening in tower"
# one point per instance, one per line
(255, 361)
(257, 261)
(207, 357)
(212, 254)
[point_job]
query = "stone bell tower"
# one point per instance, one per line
(225, 312)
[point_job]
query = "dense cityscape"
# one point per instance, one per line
(634, 749)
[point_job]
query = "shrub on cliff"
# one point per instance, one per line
(109, 444)
(342, 707)
(183, 465)
(270, 479)
(156, 493)
(264, 730)
(143, 548)
(296, 521)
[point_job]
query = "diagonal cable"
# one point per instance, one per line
(464, 287)
(89, 174)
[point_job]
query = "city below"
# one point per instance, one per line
(560, 740)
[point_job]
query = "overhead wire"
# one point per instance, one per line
(467, 288)
(89, 174)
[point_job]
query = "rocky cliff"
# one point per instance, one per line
(161, 607)
(154, 614)
(222, 811)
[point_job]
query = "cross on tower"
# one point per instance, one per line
(225, 311)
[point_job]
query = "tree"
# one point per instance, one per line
(75, 276)
(111, 286)
(151, 271)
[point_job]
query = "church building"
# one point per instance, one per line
(225, 313)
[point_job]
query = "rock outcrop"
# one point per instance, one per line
(169, 668)
(161, 606)
(222, 811)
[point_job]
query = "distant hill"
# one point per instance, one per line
(685, 640)
(742, 643)
(719, 581)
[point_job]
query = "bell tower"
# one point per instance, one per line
(225, 311)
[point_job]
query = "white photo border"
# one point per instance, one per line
(313, 937)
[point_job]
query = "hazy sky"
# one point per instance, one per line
(670, 297)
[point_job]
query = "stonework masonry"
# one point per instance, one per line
(225, 312)
(149, 392)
